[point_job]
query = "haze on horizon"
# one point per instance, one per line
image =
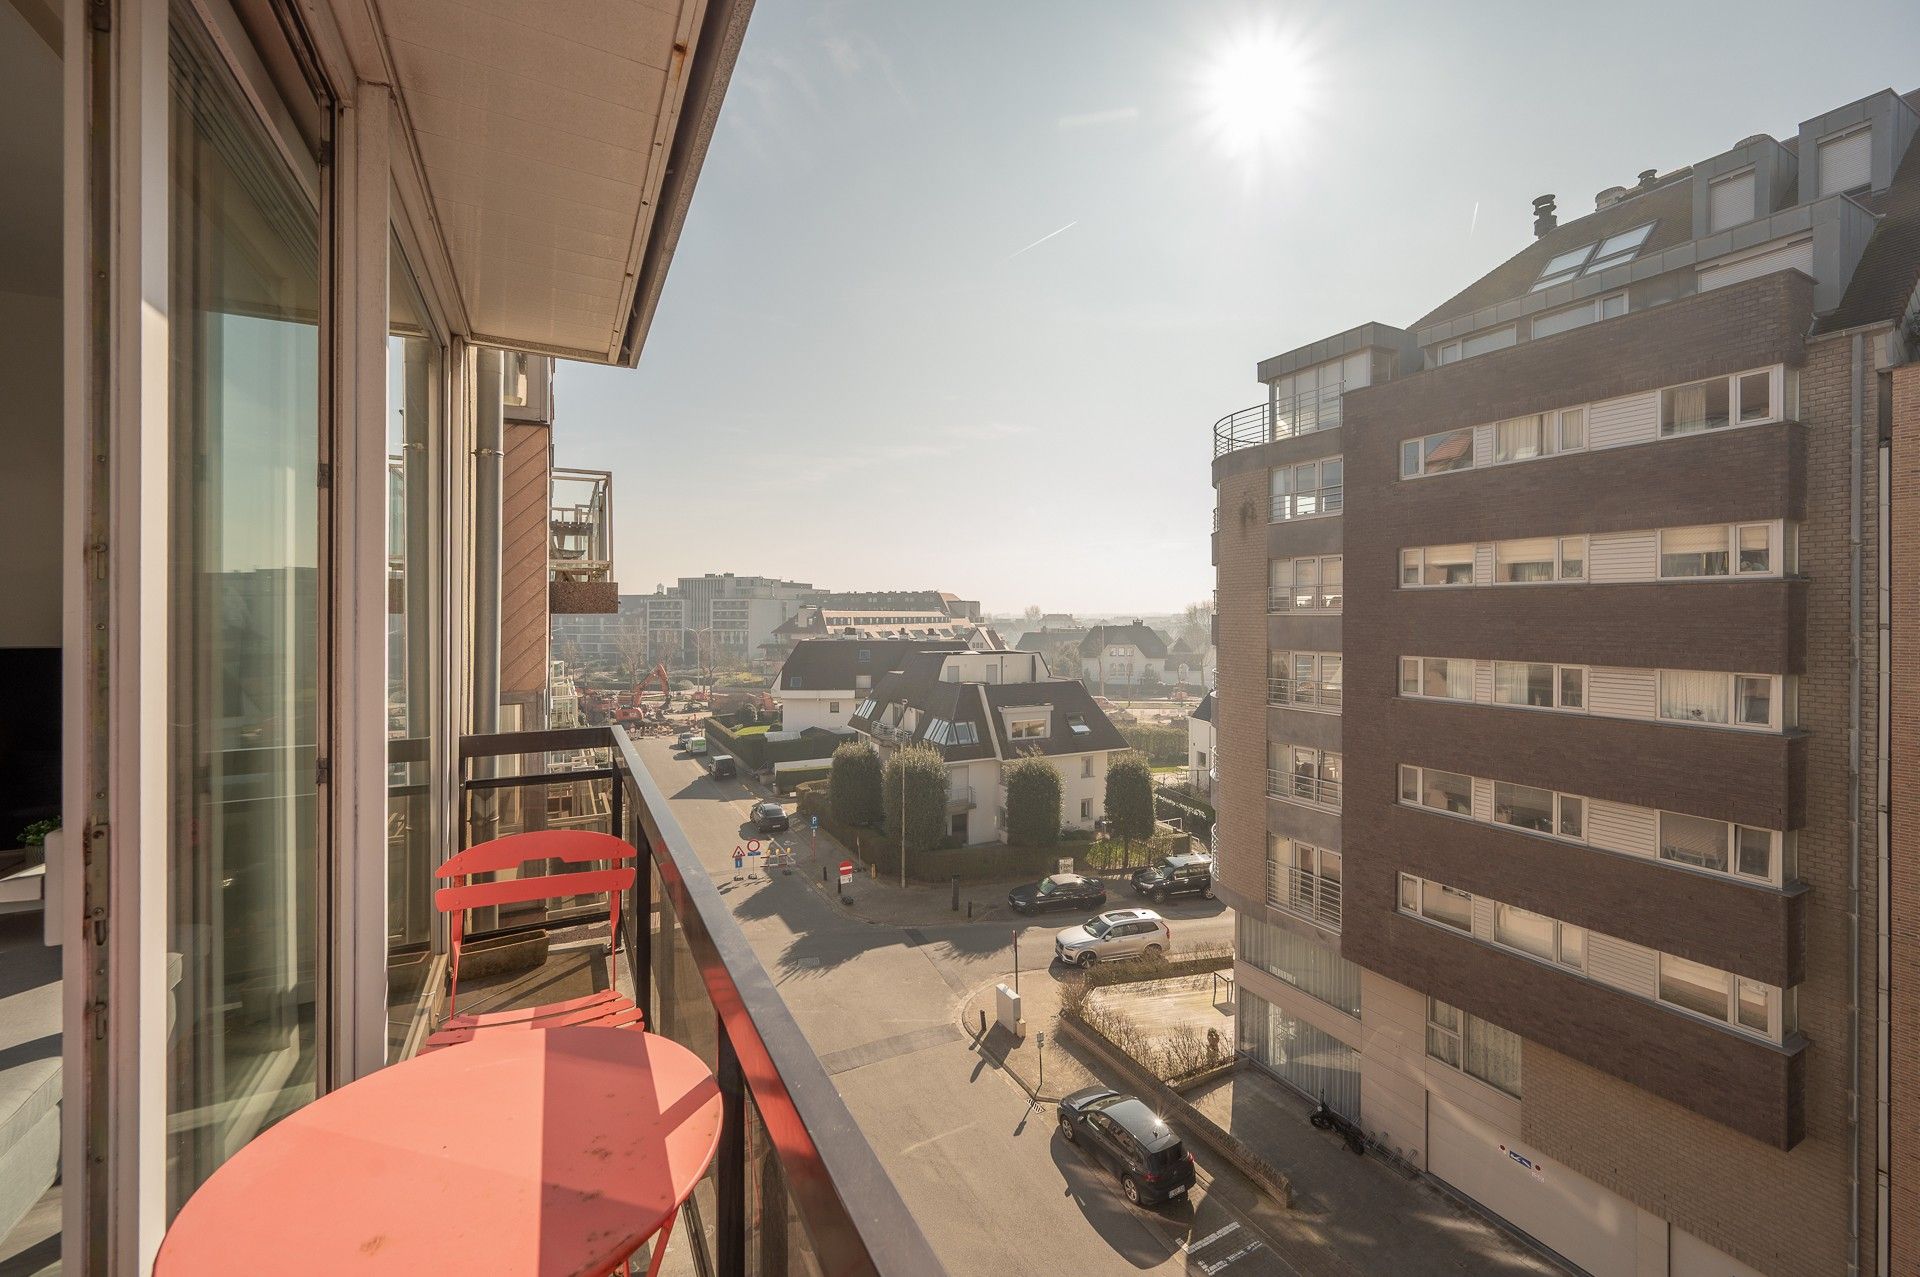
(964, 287)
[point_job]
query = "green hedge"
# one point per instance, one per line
(1163, 746)
(789, 782)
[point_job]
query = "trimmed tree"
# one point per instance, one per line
(853, 787)
(1033, 802)
(925, 774)
(1130, 800)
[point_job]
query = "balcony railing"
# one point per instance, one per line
(959, 797)
(1284, 418)
(1317, 791)
(1305, 894)
(1304, 693)
(1304, 600)
(1311, 504)
(795, 1187)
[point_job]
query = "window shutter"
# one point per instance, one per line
(1846, 161)
(1730, 201)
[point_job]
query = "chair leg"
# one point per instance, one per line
(660, 1243)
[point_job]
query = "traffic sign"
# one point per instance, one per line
(846, 872)
(813, 822)
(753, 846)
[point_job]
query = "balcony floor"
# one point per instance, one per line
(29, 1030)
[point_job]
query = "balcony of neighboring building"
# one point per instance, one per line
(580, 553)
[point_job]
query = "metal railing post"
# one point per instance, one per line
(730, 1195)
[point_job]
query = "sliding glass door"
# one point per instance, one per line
(244, 612)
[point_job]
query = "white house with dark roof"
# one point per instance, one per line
(983, 709)
(823, 679)
(1124, 658)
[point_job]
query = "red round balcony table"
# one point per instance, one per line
(557, 1152)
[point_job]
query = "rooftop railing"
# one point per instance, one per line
(1283, 418)
(795, 1187)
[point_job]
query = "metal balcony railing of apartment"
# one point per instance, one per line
(795, 1187)
(1318, 791)
(1304, 894)
(1310, 504)
(1304, 693)
(1304, 600)
(1284, 418)
(959, 797)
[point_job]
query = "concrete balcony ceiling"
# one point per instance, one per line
(560, 140)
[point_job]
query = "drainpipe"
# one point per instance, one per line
(1856, 388)
(1883, 875)
(488, 463)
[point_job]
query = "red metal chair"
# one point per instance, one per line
(605, 1009)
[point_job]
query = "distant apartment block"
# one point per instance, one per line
(1548, 733)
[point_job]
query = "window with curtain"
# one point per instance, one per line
(1450, 678)
(1523, 806)
(1520, 439)
(1448, 565)
(1491, 1054)
(1523, 683)
(1524, 930)
(1686, 410)
(1694, 696)
(1689, 552)
(1449, 791)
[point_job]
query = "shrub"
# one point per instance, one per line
(1033, 801)
(854, 784)
(761, 730)
(918, 774)
(1130, 798)
(1163, 746)
(789, 781)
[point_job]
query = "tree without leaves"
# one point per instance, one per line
(1033, 801)
(1198, 631)
(853, 787)
(1033, 613)
(925, 793)
(1130, 799)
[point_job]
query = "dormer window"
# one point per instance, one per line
(1846, 160)
(1026, 728)
(1730, 200)
(1590, 259)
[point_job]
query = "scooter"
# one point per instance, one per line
(1326, 1119)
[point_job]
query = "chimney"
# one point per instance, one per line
(1609, 197)
(1543, 218)
(1646, 178)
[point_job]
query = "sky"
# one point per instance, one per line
(965, 285)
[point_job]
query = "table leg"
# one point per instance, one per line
(660, 1243)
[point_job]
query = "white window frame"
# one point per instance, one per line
(1570, 956)
(1420, 443)
(1731, 830)
(1285, 689)
(1414, 668)
(1560, 560)
(1322, 601)
(1015, 727)
(1841, 135)
(1747, 175)
(1285, 879)
(1454, 1034)
(1419, 798)
(1776, 552)
(1777, 999)
(1419, 906)
(1606, 306)
(1328, 499)
(1416, 557)
(1776, 702)
(1777, 388)
(1559, 687)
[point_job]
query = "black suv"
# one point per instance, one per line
(1061, 891)
(1131, 1140)
(769, 817)
(1176, 876)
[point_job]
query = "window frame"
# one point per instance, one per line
(1776, 701)
(1837, 136)
(1419, 909)
(1558, 576)
(1596, 308)
(1776, 552)
(1418, 666)
(1776, 375)
(1557, 686)
(1420, 442)
(1329, 499)
(1777, 999)
(1420, 571)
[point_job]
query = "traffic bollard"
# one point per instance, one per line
(956, 893)
(983, 1022)
(969, 909)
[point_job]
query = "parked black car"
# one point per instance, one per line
(1061, 891)
(1190, 875)
(769, 817)
(1131, 1140)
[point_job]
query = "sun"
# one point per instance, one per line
(1254, 89)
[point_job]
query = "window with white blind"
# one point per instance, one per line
(1730, 200)
(1719, 549)
(1587, 312)
(1846, 160)
(1479, 344)
(1538, 560)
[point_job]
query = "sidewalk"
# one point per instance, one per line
(1063, 1072)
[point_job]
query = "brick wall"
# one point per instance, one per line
(1904, 831)
(1697, 1158)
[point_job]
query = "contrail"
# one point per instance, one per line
(1474, 220)
(1044, 238)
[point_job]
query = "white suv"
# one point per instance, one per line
(1118, 933)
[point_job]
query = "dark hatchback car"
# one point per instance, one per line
(1190, 875)
(1131, 1140)
(1061, 891)
(769, 817)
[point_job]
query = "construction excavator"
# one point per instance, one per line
(634, 712)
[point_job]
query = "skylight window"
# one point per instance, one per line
(964, 734)
(1590, 259)
(1078, 722)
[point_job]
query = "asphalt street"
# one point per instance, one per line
(990, 1180)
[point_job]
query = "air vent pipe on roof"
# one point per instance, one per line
(1609, 197)
(1646, 178)
(1543, 217)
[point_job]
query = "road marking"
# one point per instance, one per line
(1244, 1251)
(1209, 1239)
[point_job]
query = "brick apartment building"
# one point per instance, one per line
(1553, 782)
